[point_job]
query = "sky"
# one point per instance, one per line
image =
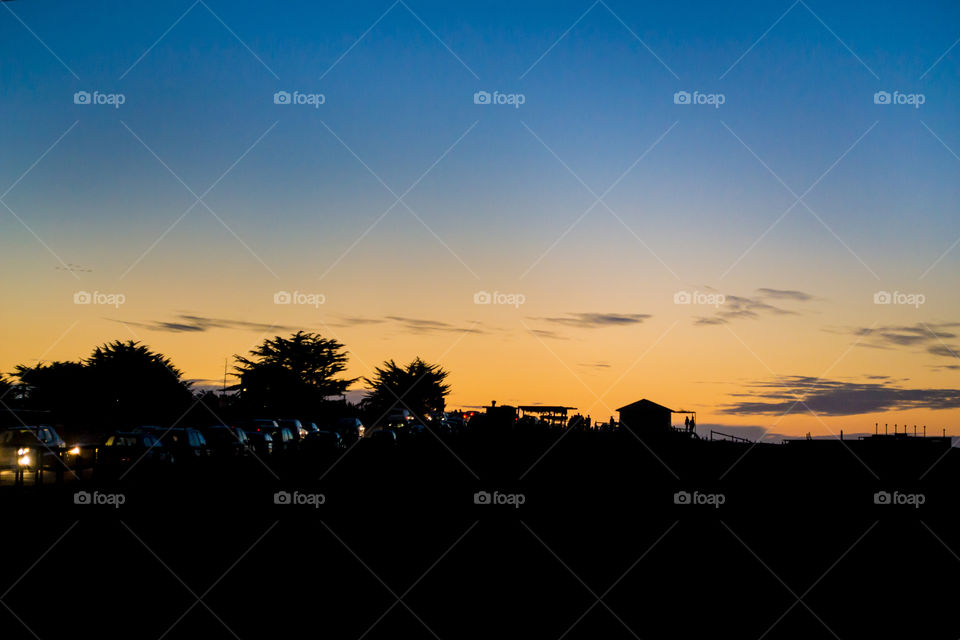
(749, 210)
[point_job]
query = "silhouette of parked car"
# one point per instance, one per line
(126, 448)
(454, 423)
(225, 441)
(261, 442)
(416, 430)
(351, 429)
(322, 442)
(382, 438)
(398, 417)
(30, 448)
(283, 439)
(295, 426)
(187, 445)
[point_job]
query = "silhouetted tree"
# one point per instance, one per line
(6, 390)
(419, 386)
(121, 384)
(293, 375)
(61, 387)
(9, 397)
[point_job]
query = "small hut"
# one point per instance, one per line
(646, 418)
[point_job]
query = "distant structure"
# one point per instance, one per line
(647, 418)
(644, 416)
(881, 442)
(552, 415)
(499, 418)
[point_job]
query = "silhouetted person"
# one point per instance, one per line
(686, 423)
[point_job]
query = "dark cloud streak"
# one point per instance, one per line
(751, 308)
(190, 323)
(837, 398)
(597, 320)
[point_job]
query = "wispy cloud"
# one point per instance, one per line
(73, 267)
(185, 323)
(421, 325)
(710, 320)
(837, 397)
(595, 365)
(355, 321)
(785, 294)
(944, 350)
(753, 307)
(208, 384)
(597, 320)
(949, 367)
(550, 335)
(933, 337)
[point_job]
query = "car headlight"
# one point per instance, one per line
(22, 451)
(24, 461)
(75, 451)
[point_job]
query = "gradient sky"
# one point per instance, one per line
(496, 198)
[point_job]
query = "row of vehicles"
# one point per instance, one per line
(39, 448)
(36, 449)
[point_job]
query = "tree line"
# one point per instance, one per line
(123, 384)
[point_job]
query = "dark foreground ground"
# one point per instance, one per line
(595, 536)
